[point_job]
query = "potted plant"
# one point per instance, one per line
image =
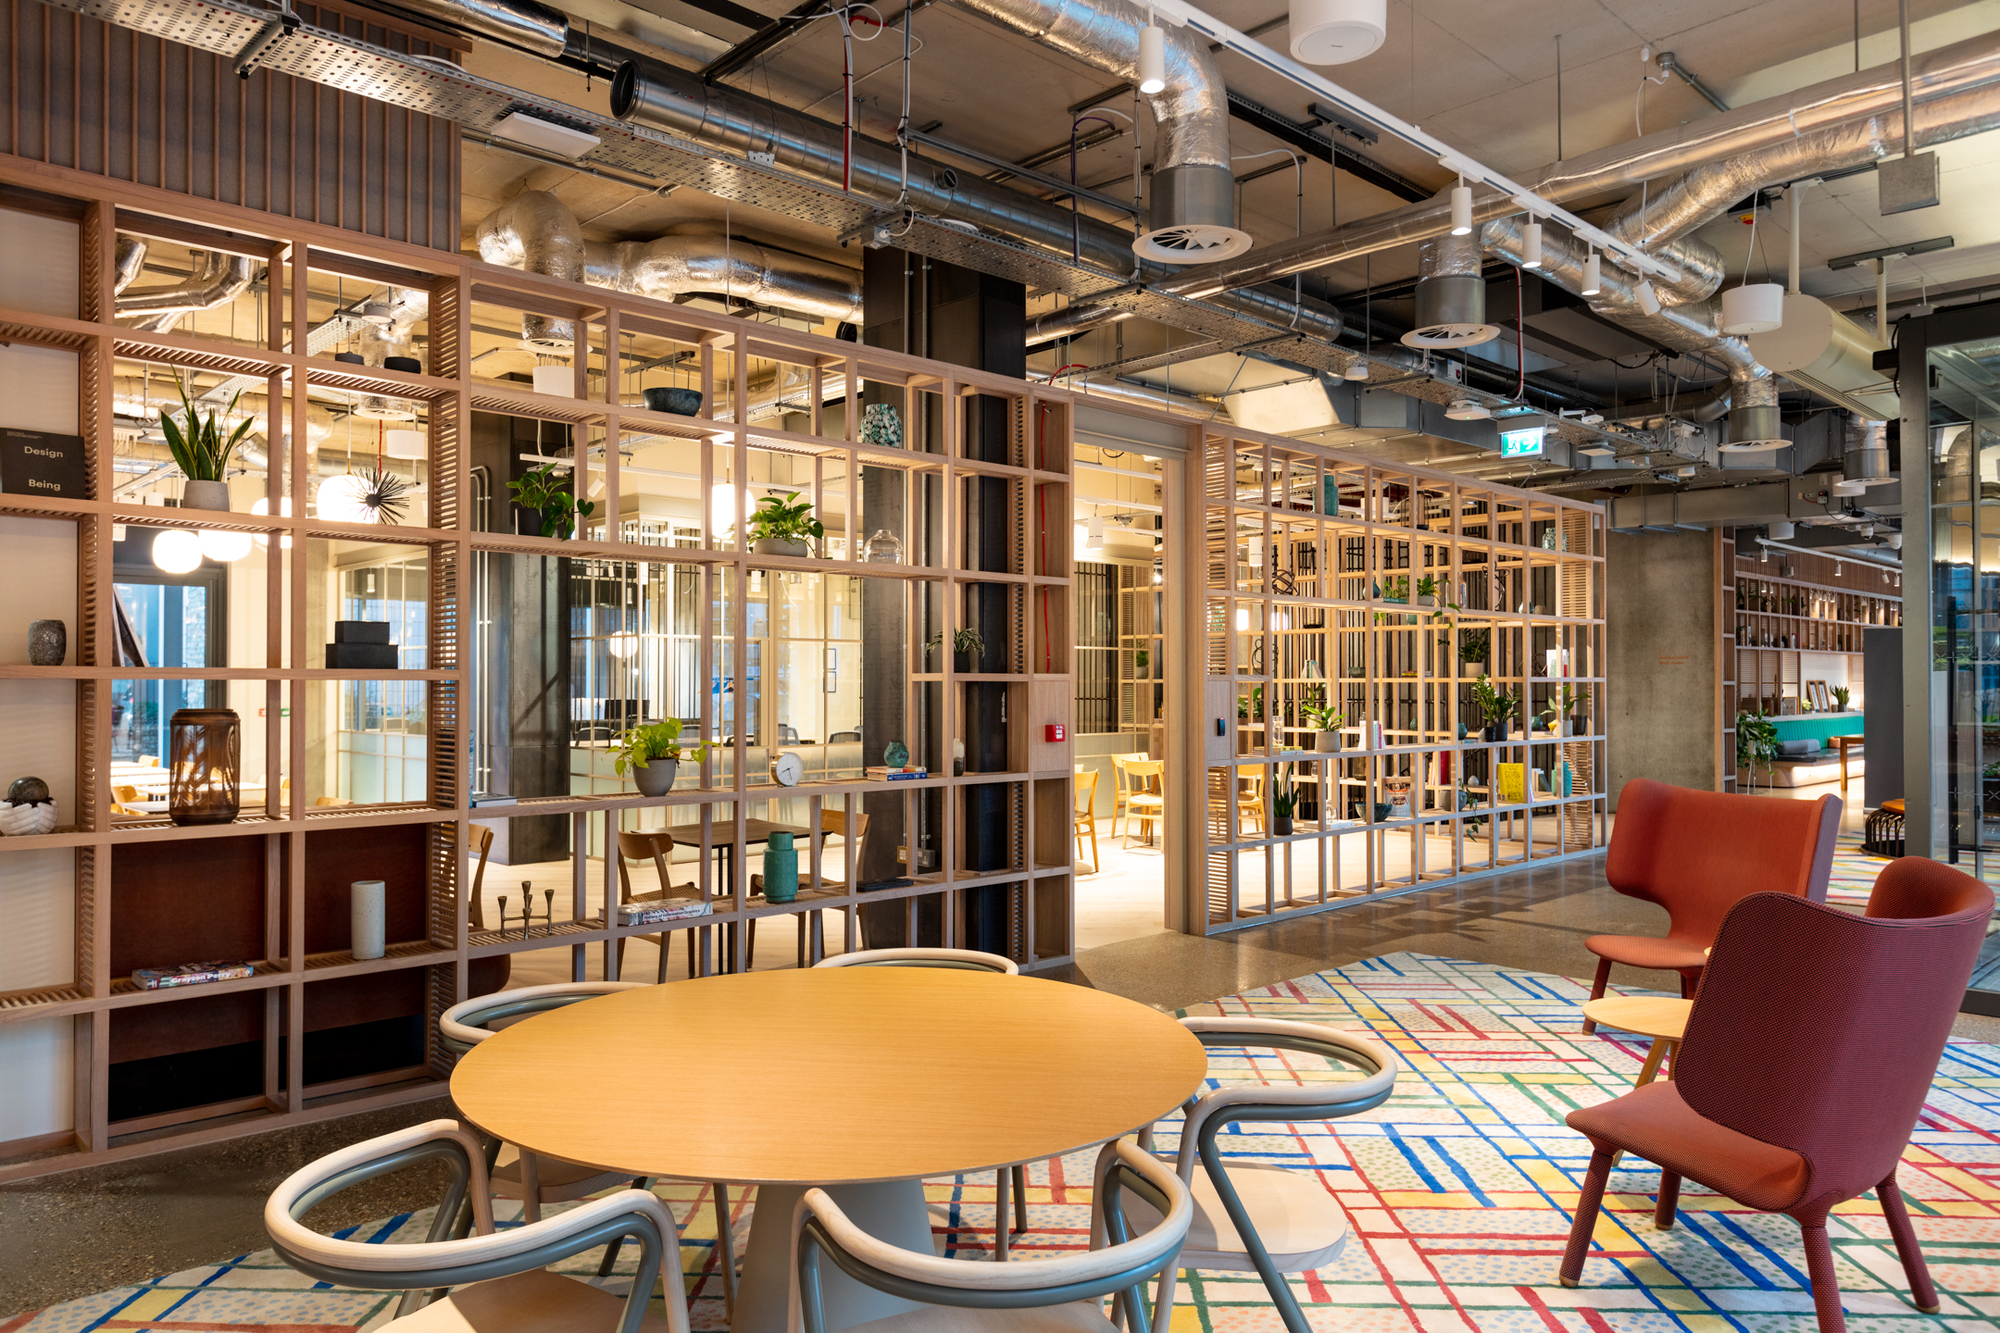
(1427, 591)
(1495, 706)
(1562, 714)
(1756, 742)
(1325, 721)
(1397, 589)
(967, 647)
(1840, 695)
(202, 452)
(1283, 801)
(781, 527)
(652, 752)
(546, 503)
(1473, 647)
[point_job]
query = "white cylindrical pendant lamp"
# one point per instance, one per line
(1754, 307)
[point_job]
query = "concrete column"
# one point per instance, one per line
(1661, 705)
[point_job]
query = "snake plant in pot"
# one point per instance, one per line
(652, 753)
(1284, 800)
(201, 451)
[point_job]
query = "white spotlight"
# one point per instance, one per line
(1357, 370)
(1895, 540)
(1593, 275)
(1531, 245)
(1461, 209)
(1780, 531)
(1649, 300)
(1333, 32)
(1465, 409)
(1152, 58)
(177, 551)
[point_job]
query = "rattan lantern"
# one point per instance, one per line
(206, 769)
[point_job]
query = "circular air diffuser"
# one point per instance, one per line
(1451, 312)
(1333, 32)
(1191, 243)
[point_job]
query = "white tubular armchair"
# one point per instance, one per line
(1011, 1181)
(1045, 1296)
(536, 1180)
(1256, 1217)
(501, 1278)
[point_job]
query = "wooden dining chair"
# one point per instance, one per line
(480, 839)
(832, 824)
(330, 801)
(657, 846)
(1085, 820)
(1250, 800)
(1121, 787)
(1145, 805)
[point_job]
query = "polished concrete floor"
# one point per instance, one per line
(83, 1231)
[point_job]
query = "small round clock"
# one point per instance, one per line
(788, 768)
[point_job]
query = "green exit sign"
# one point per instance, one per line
(1523, 443)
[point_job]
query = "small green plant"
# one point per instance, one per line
(1474, 645)
(545, 490)
(779, 519)
(1840, 697)
(1565, 703)
(1284, 797)
(199, 448)
(652, 740)
(1397, 589)
(1756, 743)
(1495, 705)
(1141, 660)
(1321, 716)
(962, 641)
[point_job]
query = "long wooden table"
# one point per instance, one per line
(859, 1080)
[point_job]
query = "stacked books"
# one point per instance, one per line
(189, 974)
(877, 773)
(669, 909)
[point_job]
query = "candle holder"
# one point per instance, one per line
(205, 784)
(527, 918)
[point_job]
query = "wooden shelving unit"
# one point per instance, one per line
(271, 886)
(1792, 606)
(1314, 568)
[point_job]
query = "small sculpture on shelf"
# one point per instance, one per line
(48, 642)
(885, 548)
(528, 917)
(881, 426)
(29, 810)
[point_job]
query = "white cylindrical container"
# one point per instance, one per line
(368, 918)
(559, 381)
(1756, 307)
(1333, 32)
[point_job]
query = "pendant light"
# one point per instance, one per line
(177, 551)
(1531, 245)
(1152, 57)
(1593, 275)
(1649, 300)
(1334, 32)
(1461, 208)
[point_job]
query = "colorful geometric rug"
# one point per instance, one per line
(1854, 872)
(1459, 1190)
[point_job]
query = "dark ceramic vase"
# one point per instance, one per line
(48, 643)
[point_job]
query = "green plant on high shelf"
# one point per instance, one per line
(966, 644)
(1495, 707)
(1840, 695)
(653, 740)
(1474, 646)
(1324, 720)
(544, 491)
(1563, 705)
(1397, 589)
(199, 447)
(1431, 593)
(784, 521)
(1756, 743)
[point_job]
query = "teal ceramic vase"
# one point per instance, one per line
(781, 869)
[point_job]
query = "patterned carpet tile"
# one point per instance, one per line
(1458, 1191)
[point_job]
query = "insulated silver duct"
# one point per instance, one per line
(1451, 294)
(537, 231)
(1974, 63)
(217, 279)
(128, 259)
(1192, 217)
(1753, 393)
(523, 23)
(1867, 456)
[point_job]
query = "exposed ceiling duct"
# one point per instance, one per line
(536, 231)
(1192, 213)
(1974, 63)
(217, 279)
(1820, 349)
(1451, 294)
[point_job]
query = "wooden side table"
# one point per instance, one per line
(1658, 1017)
(1844, 744)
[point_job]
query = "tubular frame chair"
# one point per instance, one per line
(1046, 1296)
(1308, 1224)
(509, 1289)
(532, 1178)
(1807, 1057)
(1697, 854)
(1010, 1180)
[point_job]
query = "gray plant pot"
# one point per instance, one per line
(205, 495)
(1327, 742)
(780, 546)
(1475, 668)
(656, 778)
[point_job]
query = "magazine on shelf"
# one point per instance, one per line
(671, 909)
(877, 773)
(189, 974)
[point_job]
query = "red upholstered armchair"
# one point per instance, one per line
(1697, 854)
(1810, 1048)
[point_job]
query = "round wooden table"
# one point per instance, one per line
(1658, 1017)
(864, 1080)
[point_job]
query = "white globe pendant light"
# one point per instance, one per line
(224, 546)
(1755, 307)
(1334, 32)
(177, 551)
